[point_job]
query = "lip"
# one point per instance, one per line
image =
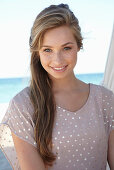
(59, 69)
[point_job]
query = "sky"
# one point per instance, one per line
(96, 18)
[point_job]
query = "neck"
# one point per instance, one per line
(64, 84)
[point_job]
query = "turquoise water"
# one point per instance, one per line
(11, 86)
(4, 164)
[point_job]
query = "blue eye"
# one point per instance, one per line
(67, 48)
(47, 50)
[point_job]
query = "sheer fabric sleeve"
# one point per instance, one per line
(108, 110)
(18, 119)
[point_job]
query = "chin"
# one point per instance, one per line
(59, 76)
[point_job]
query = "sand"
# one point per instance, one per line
(4, 165)
(3, 108)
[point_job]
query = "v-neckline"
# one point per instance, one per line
(82, 107)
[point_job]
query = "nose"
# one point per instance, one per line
(58, 58)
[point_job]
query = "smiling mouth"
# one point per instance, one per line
(59, 69)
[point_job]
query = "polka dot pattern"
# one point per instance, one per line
(79, 139)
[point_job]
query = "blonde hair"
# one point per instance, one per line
(51, 17)
(41, 85)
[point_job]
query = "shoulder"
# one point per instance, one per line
(102, 95)
(19, 116)
(21, 103)
(105, 98)
(22, 99)
(101, 90)
(105, 101)
(23, 95)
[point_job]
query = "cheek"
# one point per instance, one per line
(44, 59)
(72, 55)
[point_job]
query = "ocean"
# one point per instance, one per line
(11, 86)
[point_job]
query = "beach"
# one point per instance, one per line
(3, 108)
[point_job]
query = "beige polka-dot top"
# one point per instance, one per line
(80, 139)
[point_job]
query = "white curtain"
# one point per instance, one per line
(108, 80)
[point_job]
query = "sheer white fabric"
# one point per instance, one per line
(109, 70)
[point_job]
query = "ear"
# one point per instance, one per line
(78, 48)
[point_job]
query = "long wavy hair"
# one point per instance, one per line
(41, 94)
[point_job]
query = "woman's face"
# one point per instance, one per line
(58, 53)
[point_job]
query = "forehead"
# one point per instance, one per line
(61, 35)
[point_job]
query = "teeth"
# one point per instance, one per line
(59, 68)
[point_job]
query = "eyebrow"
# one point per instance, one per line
(61, 45)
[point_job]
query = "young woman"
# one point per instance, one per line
(59, 122)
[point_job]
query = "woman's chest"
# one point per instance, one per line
(78, 139)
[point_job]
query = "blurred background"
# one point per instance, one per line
(16, 18)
